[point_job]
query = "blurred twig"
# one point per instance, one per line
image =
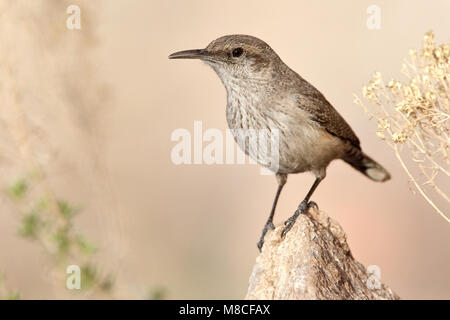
(41, 88)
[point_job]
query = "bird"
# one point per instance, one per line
(263, 93)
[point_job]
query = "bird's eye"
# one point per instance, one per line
(237, 52)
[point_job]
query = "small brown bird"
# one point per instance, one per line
(263, 93)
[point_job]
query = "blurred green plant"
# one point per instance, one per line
(18, 189)
(30, 224)
(28, 143)
(157, 293)
(49, 223)
(5, 293)
(12, 295)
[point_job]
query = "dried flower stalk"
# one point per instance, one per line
(413, 117)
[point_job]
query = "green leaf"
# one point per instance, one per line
(158, 293)
(67, 210)
(30, 225)
(42, 204)
(86, 246)
(18, 189)
(62, 240)
(12, 295)
(88, 276)
(107, 284)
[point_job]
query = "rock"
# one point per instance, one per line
(313, 261)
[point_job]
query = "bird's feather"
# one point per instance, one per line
(312, 101)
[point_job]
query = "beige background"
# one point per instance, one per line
(192, 229)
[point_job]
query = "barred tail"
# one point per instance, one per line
(363, 163)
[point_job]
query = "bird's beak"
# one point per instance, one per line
(190, 54)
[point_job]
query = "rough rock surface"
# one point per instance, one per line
(313, 261)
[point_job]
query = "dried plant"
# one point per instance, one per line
(413, 118)
(46, 98)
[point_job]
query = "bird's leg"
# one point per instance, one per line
(269, 224)
(302, 208)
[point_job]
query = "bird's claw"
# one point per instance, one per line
(302, 208)
(260, 244)
(288, 224)
(312, 204)
(269, 226)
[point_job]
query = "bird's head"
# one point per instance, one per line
(236, 58)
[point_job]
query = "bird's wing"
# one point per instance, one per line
(312, 101)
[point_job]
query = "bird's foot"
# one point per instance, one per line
(312, 204)
(269, 226)
(302, 208)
